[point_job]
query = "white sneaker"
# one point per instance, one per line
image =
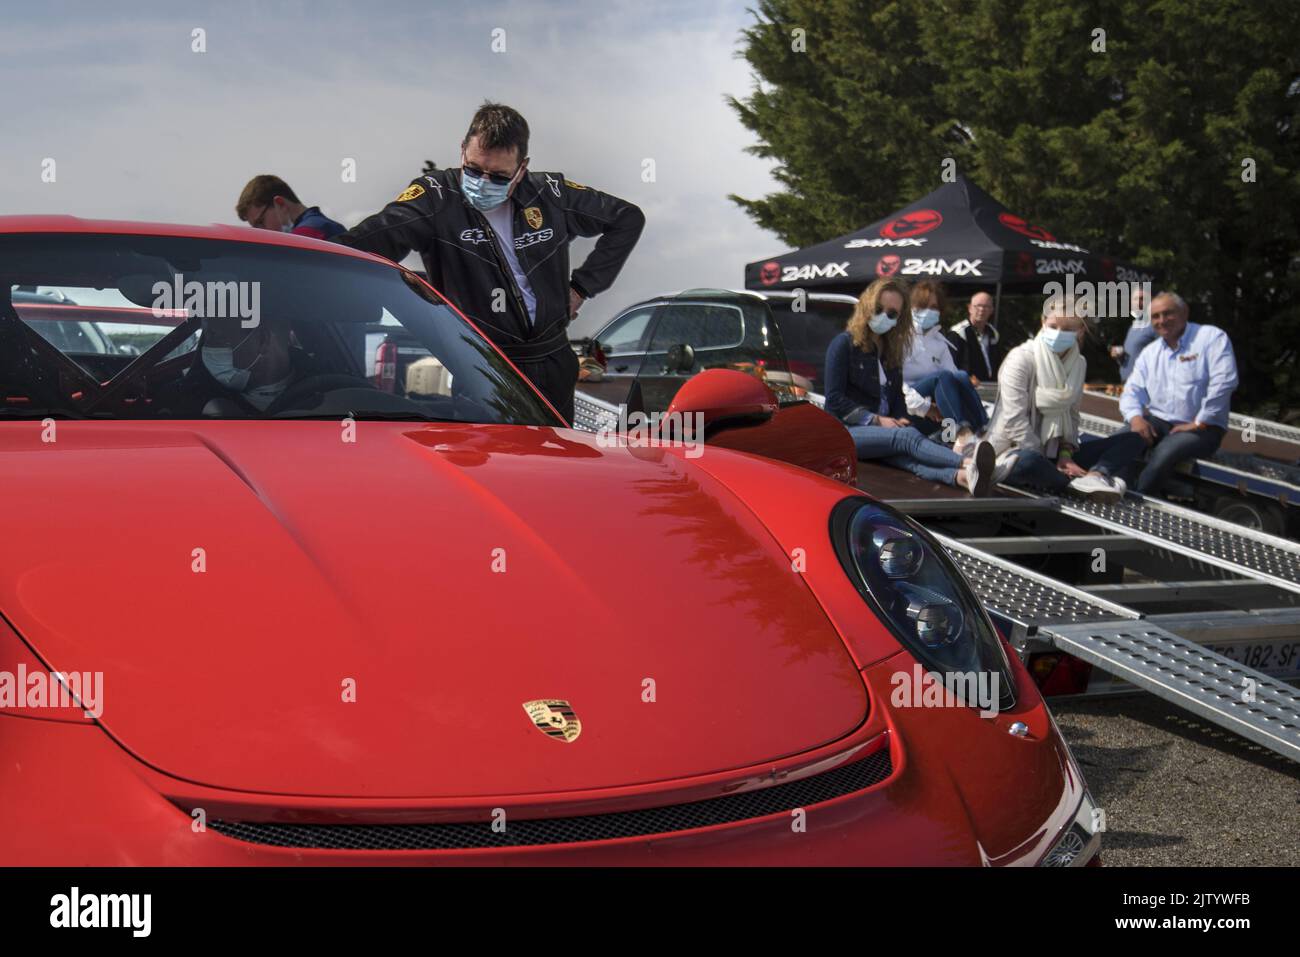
(964, 438)
(1119, 485)
(1097, 488)
(1005, 463)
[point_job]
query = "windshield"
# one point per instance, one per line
(152, 327)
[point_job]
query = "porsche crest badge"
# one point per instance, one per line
(414, 191)
(533, 216)
(554, 718)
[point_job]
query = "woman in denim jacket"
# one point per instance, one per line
(864, 390)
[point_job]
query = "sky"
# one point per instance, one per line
(142, 127)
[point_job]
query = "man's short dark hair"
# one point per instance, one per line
(497, 126)
(262, 191)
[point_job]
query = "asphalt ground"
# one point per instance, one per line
(1179, 791)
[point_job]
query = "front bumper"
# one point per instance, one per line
(959, 790)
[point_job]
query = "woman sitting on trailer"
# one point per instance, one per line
(1035, 425)
(935, 389)
(864, 390)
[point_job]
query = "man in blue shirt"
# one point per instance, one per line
(267, 202)
(1140, 333)
(1177, 396)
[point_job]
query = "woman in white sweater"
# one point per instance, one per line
(1036, 420)
(934, 387)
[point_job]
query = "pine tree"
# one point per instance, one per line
(1160, 132)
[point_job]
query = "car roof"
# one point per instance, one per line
(818, 296)
(708, 293)
(10, 225)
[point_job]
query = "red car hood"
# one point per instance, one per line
(447, 574)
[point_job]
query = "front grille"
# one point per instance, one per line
(568, 830)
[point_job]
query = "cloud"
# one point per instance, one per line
(143, 128)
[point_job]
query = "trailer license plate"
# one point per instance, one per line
(1279, 657)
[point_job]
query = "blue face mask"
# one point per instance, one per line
(1059, 340)
(482, 193)
(880, 323)
(926, 319)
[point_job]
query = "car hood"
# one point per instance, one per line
(284, 607)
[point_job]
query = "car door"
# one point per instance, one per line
(623, 340)
(715, 331)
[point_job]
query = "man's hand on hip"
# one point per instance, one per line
(575, 302)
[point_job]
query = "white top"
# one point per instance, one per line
(502, 222)
(1016, 419)
(929, 354)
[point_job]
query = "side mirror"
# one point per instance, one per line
(725, 397)
(681, 358)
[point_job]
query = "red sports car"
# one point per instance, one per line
(274, 592)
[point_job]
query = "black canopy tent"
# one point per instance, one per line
(959, 235)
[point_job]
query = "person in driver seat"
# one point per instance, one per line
(239, 372)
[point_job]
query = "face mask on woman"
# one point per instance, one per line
(883, 321)
(1059, 340)
(926, 319)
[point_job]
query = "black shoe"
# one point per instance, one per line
(985, 461)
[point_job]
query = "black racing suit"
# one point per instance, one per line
(461, 257)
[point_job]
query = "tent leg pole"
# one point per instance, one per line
(997, 301)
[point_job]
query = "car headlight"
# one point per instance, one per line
(914, 588)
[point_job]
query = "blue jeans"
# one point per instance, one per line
(1107, 456)
(956, 397)
(1171, 449)
(907, 448)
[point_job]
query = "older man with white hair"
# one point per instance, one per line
(1177, 396)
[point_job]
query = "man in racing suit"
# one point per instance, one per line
(494, 239)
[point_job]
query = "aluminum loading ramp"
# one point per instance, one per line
(1240, 699)
(1237, 549)
(591, 414)
(1036, 609)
